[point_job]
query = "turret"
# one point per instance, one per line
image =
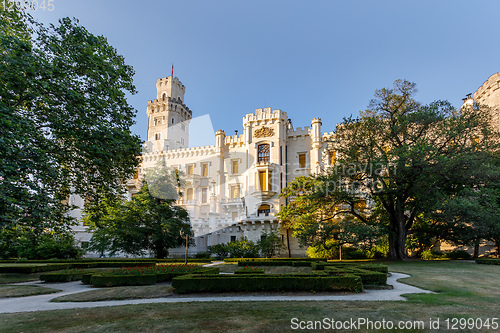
(169, 117)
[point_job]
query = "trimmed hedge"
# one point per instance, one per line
(488, 261)
(87, 260)
(367, 277)
(164, 277)
(108, 280)
(255, 271)
(272, 259)
(262, 282)
(30, 269)
(60, 277)
(302, 263)
(161, 277)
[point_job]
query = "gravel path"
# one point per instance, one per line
(42, 302)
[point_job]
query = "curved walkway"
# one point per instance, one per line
(42, 302)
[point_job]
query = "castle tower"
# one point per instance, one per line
(168, 116)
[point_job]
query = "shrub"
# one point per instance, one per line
(67, 275)
(203, 255)
(432, 254)
(488, 261)
(30, 269)
(272, 259)
(301, 263)
(328, 250)
(220, 250)
(270, 243)
(458, 254)
(48, 246)
(243, 248)
(263, 282)
(110, 280)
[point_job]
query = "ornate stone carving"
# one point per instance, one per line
(263, 132)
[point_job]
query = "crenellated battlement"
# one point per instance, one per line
(234, 140)
(489, 87)
(264, 115)
(178, 153)
(167, 102)
(299, 131)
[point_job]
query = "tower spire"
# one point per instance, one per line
(172, 69)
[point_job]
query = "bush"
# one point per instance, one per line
(110, 280)
(48, 246)
(203, 255)
(68, 275)
(272, 259)
(458, 254)
(328, 250)
(367, 276)
(220, 250)
(301, 263)
(488, 261)
(243, 248)
(30, 269)
(266, 263)
(432, 254)
(263, 282)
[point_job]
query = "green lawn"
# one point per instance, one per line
(118, 293)
(466, 290)
(19, 291)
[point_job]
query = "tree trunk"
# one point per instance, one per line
(288, 242)
(476, 249)
(397, 240)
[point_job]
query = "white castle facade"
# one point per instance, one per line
(232, 188)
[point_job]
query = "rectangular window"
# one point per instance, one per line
(189, 169)
(204, 170)
(204, 195)
(157, 136)
(234, 215)
(234, 167)
(233, 238)
(263, 180)
(235, 191)
(189, 194)
(302, 161)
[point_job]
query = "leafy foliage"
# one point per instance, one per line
(402, 156)
(65, 128)
(144, 223)
(270, 243)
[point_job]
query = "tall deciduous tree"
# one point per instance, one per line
(143, 224)
(65, 122)
(405, 156)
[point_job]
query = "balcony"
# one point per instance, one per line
(263, 195)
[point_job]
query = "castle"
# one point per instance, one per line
(232, 188)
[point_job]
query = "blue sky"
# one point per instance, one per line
(308, 58)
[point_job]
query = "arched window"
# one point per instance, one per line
(163, 97)
(263, 153)
(264, 210)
